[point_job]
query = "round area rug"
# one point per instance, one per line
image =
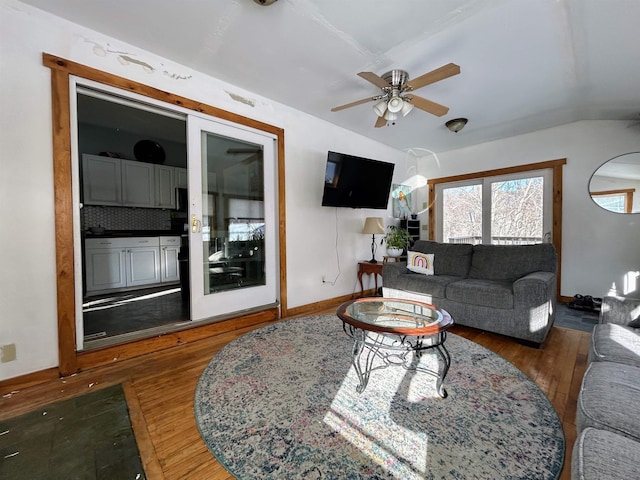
(281, 402)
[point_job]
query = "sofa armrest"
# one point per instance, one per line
(619, 310)
(533, 288)
(391, 271)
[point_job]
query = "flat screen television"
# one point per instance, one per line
(356, 182)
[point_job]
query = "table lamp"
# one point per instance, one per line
(373, 225)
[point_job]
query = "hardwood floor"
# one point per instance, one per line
(160, 389)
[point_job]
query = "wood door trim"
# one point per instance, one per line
(61, 69)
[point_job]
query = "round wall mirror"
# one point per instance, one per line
(615, 186)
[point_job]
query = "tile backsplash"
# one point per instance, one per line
(120, 218)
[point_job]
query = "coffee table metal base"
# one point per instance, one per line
(396, 350)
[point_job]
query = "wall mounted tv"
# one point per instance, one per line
(356, 182)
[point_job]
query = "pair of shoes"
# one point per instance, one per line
(586, 302)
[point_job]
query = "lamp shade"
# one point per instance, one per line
(390, 116)
(395, 104)
(380, 108)
(373, 225)
(406, 108)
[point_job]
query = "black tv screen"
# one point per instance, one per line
(356, 182)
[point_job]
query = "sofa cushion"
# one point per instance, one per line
(449, 258)
(615, 343)
(599, 454)
(510, 262)
(481, 292)
(434, 285)
(608, 395)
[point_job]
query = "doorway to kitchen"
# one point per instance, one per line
(133, 213)
(177, 215)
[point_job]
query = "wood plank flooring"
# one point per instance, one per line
(160, 389)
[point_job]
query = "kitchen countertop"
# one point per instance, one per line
(132, 233)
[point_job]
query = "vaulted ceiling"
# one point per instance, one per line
(525, 64)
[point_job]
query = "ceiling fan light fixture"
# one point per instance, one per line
(406, 108)
(390, 116)
(395, 104)
(380, 108)
(265, 3)
(456, 124)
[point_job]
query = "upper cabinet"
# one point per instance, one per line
(138, 184)
(165, 185)
(127, 183)
(101, 180)
(181, 177)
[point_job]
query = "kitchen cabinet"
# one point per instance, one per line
(143, 265)
(165, 186)
(118, 263)
(181, 177)
(138, 184)
(101, 180)
(169, 264)
(105, 268)
(127, 183)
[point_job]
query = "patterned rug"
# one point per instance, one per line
(281, 402)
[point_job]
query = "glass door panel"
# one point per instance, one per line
(517, 211)
(462, 214)
(233, 219)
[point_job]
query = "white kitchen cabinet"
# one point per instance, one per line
(182, 180)
(143, 265)
(169, 264)
(138, 184)
(165, 185)
(105, 269)
(101, 180)
(119, 263)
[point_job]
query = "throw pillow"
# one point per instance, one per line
(635, 323)
(419, 262)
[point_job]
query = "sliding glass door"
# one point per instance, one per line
(232, 219)
(507, 209)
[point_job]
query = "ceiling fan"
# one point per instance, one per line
(397, 97)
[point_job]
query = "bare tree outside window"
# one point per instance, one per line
(462, 219)
(516, 212)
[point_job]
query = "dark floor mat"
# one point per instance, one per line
(87, 437)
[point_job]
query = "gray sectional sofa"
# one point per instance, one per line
(506, 289)
(608, 428)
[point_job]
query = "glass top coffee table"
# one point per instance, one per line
(392, 331)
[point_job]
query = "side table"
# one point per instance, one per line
(374, 269)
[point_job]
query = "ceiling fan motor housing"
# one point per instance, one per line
(396, 78)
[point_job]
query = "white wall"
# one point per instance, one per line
(598, 247)
(27, 244)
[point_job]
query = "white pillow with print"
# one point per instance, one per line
(419, 262)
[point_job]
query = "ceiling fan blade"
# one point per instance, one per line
(375, 79)
(446, 71)
(380, 122)
(353, 104)
(428, 106)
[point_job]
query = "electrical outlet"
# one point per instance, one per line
(8, 353)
